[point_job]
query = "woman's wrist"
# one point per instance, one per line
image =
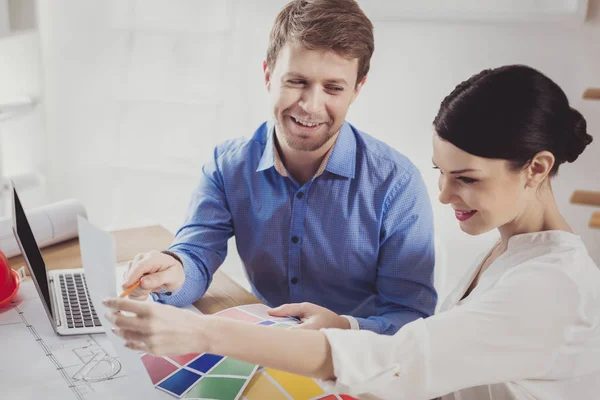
(208, 334)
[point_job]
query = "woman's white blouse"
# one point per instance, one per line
(529, 330)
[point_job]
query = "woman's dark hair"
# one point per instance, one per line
(512, 113)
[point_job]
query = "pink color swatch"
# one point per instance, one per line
(238, 315)
(183, 359)
(158, 368)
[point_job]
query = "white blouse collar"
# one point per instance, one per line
(546, 238)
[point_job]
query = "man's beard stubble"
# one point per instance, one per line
(297, 145)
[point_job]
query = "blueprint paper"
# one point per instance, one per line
(99, 258)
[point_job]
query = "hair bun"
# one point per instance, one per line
(577, 142)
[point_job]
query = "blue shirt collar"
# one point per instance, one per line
(343, 158)
(268, 158)
(341, 162)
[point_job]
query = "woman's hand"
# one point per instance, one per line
(165, 330)
(311, 316)
(156, 328)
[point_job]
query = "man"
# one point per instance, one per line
(322, 213)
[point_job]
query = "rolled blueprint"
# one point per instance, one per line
(51, 224)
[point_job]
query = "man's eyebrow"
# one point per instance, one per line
(292, 74)
(337, 81)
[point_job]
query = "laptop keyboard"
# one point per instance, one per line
(78, 306)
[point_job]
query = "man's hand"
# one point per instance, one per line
(156, 328)
(158, 271)
(311, 316)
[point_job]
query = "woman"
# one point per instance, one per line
(524, 323)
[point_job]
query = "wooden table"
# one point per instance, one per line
(223, 292)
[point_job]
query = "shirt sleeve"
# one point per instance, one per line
(352, 321)
(404, 282)
(201, 243)
(514, 331)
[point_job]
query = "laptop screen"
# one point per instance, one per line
(31, 251)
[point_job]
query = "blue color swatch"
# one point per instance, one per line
(205, 363)
(180, 381)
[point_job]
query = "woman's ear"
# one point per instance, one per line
(539, 168)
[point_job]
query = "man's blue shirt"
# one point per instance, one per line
(358, 239)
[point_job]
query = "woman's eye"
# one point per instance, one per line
(466, 180)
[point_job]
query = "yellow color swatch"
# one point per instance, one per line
(299, 387)
(261, 388)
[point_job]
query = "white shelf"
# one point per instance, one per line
(524, 11)
(15, 106)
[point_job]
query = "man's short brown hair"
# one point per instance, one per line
(337, 25)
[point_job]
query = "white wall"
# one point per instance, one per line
(22, 15)
(138, 92)
(4, 18)
(22, 138)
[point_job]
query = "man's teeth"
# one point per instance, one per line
(309, 124)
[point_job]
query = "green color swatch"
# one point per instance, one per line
(230, 366)
(216, 388)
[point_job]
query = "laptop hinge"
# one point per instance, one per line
(56, 309)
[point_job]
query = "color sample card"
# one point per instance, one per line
(184, 359)
(277, 385)
(217, 388)
(263, 387)
(233, 367)
(262, 311)
(158, 368)
(234, 313)
(199, 376)
(205, 363)
(179, 382)
(209, 376)
(298, 387)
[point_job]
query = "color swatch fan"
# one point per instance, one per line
(208, 376)
(272, 384)
(199, 376)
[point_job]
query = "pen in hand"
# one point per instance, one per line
(130, 289)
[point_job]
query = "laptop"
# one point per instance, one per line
(64, 293)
